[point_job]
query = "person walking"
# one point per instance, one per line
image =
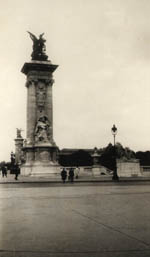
(17, 171)
(71, 175)
(4, 171)
(64, 175)
(76, 172)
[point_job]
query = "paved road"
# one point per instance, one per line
(80, 220)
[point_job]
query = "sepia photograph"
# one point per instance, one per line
(75, 128)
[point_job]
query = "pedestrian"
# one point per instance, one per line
(4, 171)
(17, 171)
(76, 172)
(64, 175)
(71, 175)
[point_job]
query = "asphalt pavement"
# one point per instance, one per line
(81, 219)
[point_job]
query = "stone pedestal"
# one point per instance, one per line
(128, 168)
(96, 165)
(40, 150)
(96, 171)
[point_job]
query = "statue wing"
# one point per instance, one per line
(32, 36)
(41, 35)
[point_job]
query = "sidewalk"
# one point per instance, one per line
(57, 179)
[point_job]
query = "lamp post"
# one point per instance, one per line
(114, 133)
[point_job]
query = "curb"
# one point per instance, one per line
(122, 180)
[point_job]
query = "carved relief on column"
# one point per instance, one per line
(37, 155)
(43, 126)
(49, 82)
(31, 109)
(44, 156)
(49, 107)
(29, 156)
(31, 81)
(40, 95)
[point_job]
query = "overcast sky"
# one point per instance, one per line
(102, 48)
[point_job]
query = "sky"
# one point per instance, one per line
(102, 48)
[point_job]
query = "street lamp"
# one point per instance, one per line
(114, 133)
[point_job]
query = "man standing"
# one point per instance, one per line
(63, 175)
(71, 175)
(17, 171)
(77, 172)
(4, 171)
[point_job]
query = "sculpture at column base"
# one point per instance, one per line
(41, 161)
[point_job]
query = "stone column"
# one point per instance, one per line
(40, 148)
(18, 147)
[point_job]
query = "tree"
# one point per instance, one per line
(81, 158)
(108, 157)
(144, 157)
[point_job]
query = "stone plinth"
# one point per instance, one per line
(99, 170)
(128, 168)
(40, 169)
(96, 171)
(41, 152)
(96, 165)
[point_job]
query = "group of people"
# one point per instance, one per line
(73, 173)
(16, 171)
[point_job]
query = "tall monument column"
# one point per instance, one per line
(39, 148)
(18, 147)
